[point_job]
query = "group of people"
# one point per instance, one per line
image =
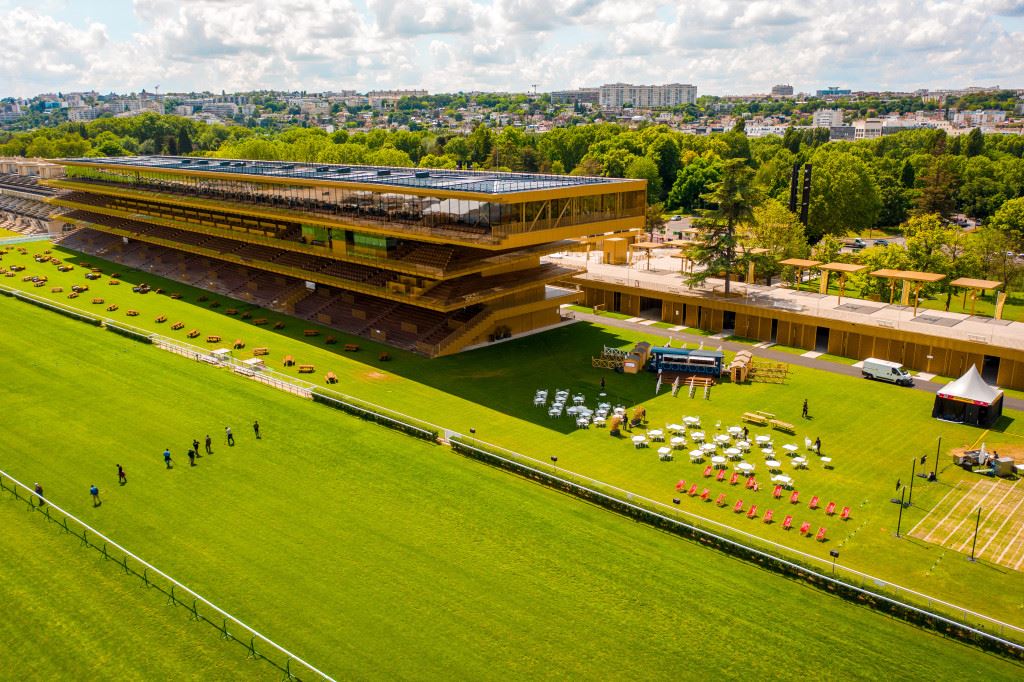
(122, 476)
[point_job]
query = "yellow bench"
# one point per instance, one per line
(754, 418)
(306, 369)
(782, 426)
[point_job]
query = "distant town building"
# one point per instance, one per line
(841, 133)
(387, 99)
(867, 128)
(833, 91)
(782, 91)
(578, 96)
(827, 118)
(618, 95)
(222, 109)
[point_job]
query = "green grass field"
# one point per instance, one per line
(68, 615)
(372, 554)
(872, 431)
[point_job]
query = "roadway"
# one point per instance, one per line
(768, 353)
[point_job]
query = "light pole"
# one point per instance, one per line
(899, 521)
(935, 471)
(974, 542)
(554, 463)
(834, 553)
(913, 468)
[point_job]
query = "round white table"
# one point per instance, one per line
(696, 455)
(677, 442)
(745, 467)
(676, 428)
(656, 434)
(798, 462)
(639, 441)
(709, 447)
(743, 445)
(691, 421)
(784, 480)
(790, 448)
(718, 460)
(733, 452)
(735, 430)
(697, 436)
(722, 438)
(772, 465)
(762, 440)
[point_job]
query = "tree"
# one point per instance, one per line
(975, 143)
(691, 182)
(459, 148)
(844, 196)
(644, 168)
(828, 248)
(734, 198)
(938, 185)
(927, 237)
(907, 175)
(664, 152)
(654, 218)
(775, 228)
(981, 192)
(1009, 220)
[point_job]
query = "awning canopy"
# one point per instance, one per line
(970, 388)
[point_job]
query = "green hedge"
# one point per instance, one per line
(370, 415)
(130, 333)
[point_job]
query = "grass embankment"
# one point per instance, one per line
(872, 431)
(373, 554)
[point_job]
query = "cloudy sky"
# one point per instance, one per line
(734, 47)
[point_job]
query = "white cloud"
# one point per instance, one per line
(447, 45)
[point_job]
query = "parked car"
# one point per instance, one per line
(677, 217)
(881, 242)
(859, 243)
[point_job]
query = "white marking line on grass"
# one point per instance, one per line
(964, 520)
(1016, 566)
(1015, 534)
(924, 518)
(984, 521)
(1005, 521)
(928, 537)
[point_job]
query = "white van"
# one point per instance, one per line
(884, 370)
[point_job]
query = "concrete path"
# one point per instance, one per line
(767, 353)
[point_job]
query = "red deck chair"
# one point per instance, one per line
(721, 475)
(721, 500)
(820, 537)
(704, 494)
(680, 485)
(751, 482)
(805, 527)
(707, 471)
(787, 522)
(777, 493)
(794, 497)
(768, 516)
(845, 514)
(752, 512)
(814, 502)
(734, 478)
(830, 509)
(693, 490)
(738, 507)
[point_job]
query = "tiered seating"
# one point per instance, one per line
(432, 255)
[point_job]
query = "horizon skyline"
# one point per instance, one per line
(450, 46)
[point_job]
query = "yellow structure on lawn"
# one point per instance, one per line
(429, 260)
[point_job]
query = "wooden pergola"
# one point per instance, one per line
(908, 277)
(645, 246)
(684, 255)
(800, 264)
(976, 287)
(843, 269)
(750, 251)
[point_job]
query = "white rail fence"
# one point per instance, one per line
(177, 593)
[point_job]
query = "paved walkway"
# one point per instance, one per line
(768, 353)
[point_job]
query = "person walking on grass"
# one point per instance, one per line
(804, 412)
(122, 478)
(256, 428)
(95, 492)
(209, 445)
(39, 494)
(230, 436)
(817, 445)
(191, 458)
(195, 447)
(167, 458)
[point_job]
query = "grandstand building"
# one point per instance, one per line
(429, 260)
(23, 206)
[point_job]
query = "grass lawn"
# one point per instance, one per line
(70, 615)
(872, 431)
(372, 554)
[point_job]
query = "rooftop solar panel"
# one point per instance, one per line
(485, 182)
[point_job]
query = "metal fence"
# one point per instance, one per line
(200, 609)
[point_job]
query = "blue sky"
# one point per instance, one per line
(729, 47)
